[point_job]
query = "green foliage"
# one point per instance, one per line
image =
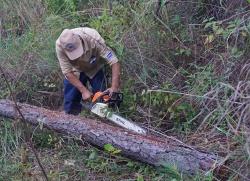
(10, 137)
(139, 178)
(111, 149)
(179, 28)
(111, 28)
(207, 177)
(16, 16)
(128, 106)
(225, 33)
(219, 29)
(61, 6)
(168, 106)
(173, 172)
(4, 92)
(202, 80)
(162, 105)
(32, 56)
(183, 51)
(46, 140)
(10, 142)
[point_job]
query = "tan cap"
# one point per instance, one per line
(71, 44)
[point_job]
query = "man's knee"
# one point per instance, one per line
(72, 98)
(72, 107)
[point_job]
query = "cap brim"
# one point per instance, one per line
(77, 52)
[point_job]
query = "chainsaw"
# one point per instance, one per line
(102, 104)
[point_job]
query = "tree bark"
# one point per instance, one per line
(146, 148)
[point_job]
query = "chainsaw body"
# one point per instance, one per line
(103, 97)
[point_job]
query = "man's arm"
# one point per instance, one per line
(111, 59)
(67, 71)
(116, 73)
(86, 94)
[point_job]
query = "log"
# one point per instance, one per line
(150, 149)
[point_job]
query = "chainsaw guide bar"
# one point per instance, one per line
(102, 110)
(101, 106)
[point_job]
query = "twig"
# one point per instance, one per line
(167, 27)
(110, 7)
(139, 50)
(193, 95)
(197, 2)
(235, 15)
(26, 133)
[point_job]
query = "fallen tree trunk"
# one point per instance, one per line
(149, 149)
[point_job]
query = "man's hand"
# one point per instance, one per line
(111, 90)
(86, 95)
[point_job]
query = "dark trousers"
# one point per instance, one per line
(72, 97)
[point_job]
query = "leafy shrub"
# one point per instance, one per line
(111, 28)
(169, 108)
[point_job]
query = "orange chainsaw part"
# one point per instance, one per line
(100, 95)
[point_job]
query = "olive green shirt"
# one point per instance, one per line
(95, 54)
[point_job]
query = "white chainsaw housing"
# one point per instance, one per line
(101, 110)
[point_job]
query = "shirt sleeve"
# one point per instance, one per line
(106, 53)
(65, 65)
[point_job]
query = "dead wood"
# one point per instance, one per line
(149, 149)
